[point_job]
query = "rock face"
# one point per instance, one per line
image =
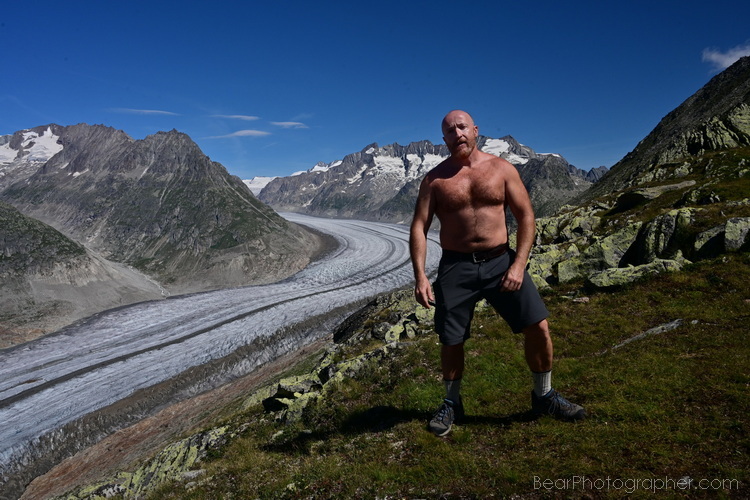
(683, 193)
(381, 183)
(158, 205)
(714, 118)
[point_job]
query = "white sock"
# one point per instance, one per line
(453, 390)
(542, 382)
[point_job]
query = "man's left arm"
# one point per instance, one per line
(519, 202)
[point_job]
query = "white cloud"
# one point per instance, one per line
(290, 124)
(248, 118)
(242, 133)
(143, 111)
(722, 60)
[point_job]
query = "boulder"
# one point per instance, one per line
(569, 226)
(700, 196)
(736, 234)
(709, 243)
(662, 237)
(604, 253)
(579, 226)
(292, 387)
(544, 260)
(617, 277)
(610, 250)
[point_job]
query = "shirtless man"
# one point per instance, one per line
(468, 192)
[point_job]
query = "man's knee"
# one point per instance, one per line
(538, 330)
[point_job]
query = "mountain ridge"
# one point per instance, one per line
(157, 204)
(717, 116)
(380, 183)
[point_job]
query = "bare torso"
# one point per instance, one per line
(470, 204)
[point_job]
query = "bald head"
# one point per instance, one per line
(454, 115)
(460, 133)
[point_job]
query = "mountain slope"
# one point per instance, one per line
(380, 183)
(49, 281)
(714, 118)
(160, 205)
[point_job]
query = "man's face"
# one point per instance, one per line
(460, 134)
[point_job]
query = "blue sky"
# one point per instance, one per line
(270, 88)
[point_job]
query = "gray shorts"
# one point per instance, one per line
(461, 283)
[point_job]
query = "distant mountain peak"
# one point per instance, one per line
(380, 182)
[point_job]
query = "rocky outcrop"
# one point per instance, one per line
(715, 118)
(174, 463)
(641, 234)
(616, 277)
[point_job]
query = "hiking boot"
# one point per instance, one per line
(447, 413)
(557, 406)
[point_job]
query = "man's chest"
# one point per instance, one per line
(462, 192)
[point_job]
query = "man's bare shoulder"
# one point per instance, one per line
(496, 161)
(443, 169)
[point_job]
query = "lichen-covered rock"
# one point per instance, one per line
(544, 260)
(609, 251)
(662, 237)
(616, 277)
(571, 270)
(540, 283)
(603, 253)
(581, 225)
(293, 386)
(709, 243)
(700, 196)
(568, 226)
(736, 234)
(295, 407)
(172, 463)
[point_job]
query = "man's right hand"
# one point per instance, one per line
(423, 292)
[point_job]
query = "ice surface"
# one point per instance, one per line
(56, 379)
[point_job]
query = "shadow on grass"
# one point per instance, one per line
(383, 418)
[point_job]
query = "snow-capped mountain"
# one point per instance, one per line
(380, 183)
(22, 153)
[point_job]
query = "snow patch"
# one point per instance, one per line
(256, 184)
(7, 155)
(35, 148)
(320, 167)
(44, 146)
(357, 176)
(501, 148)
(496, 147)
(388, 165)
(418, 166)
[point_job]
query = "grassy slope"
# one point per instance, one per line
(666, 407)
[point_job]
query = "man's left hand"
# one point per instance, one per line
(512, 279)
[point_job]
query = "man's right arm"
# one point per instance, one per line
(420, 225)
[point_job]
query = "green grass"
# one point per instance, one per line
(666, 407)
